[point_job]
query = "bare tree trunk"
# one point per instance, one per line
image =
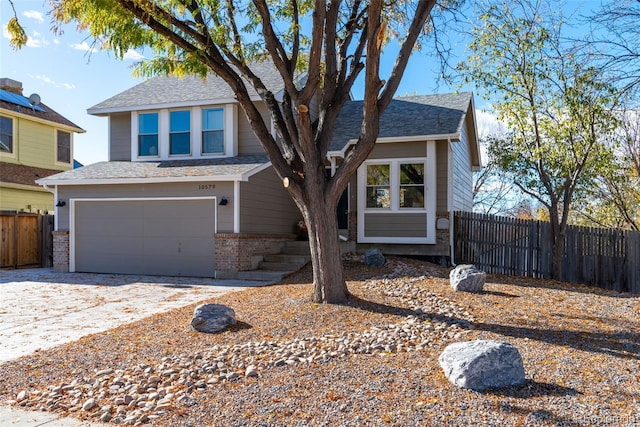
(328, 278)
(319, 212)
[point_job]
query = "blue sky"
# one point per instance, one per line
(70, 77)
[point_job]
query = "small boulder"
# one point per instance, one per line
(467, 278)
(212, 318)
(373, 258)
(482, 364)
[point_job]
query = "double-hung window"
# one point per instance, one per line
(148, 134)
(411, 185)
(63, 147)
(378, 186)
(180, 132)
(213, 131)
(6, 134)
(395, 185)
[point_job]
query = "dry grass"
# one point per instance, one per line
(580, 346)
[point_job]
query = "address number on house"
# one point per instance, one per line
(206, 186)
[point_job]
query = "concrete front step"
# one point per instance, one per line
(296, 247)
(263, 275)
(279, 266)
(299, 260)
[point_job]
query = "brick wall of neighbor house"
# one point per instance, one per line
(61, 251)
(234, 252)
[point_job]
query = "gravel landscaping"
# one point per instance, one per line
(373, 361)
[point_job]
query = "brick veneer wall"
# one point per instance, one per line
(61, 251)
(234, 251)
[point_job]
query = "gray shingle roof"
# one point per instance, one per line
(441, 114)
(188, 89)
(205, 168)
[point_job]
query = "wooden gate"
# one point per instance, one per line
(26, 240)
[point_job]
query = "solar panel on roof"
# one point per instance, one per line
(20, 100)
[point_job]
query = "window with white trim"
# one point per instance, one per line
(213, 131)
(148, 135)
(378, 186)
(180, 132)
(6, 134)
(395, 185)
(411, 185)
(63, 147)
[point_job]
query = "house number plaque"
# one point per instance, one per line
(206, 186)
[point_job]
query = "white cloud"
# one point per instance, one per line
(5, 32)
(85, 47)
(132, 54)
(35, 15)
(48, 80)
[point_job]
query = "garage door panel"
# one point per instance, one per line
(167, 237)
(183, 247)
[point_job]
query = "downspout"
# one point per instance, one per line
(450, 202)
(55, 202)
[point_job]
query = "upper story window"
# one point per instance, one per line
(63, 147)
(213, 131)
(6, 134)
(180, 132)
(185, 133)
(148, 134)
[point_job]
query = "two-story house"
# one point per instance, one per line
(188, 189)
(35, 142)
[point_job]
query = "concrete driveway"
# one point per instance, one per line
(40, 309)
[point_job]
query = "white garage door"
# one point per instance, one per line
(144, 236)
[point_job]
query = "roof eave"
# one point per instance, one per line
(144, 107)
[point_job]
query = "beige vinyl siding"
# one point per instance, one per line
(462, 191)
(247, 141)
(34, 199)
(120, 136)
(265, 205)
(395, 225)
(34, 144)
(188, 189)
(399, 150)
(442, 175)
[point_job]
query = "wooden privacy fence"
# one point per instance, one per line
(26, 239)
(606, 258)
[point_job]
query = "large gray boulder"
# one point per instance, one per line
(212, 317)
(373, 258)
(467, 278)
(482, 364)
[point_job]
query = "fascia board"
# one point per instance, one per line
(168, 105)
(105, 181)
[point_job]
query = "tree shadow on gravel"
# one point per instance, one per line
(625, 345)
(532, 388)
(376, 307)
(529, 282)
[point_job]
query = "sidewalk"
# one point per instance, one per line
(40, 309)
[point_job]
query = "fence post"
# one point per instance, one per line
(632, 262)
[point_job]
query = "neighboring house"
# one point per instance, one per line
(188, 189)
(35, 142)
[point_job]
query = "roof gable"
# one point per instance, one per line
(425, 115)
(163, 91)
